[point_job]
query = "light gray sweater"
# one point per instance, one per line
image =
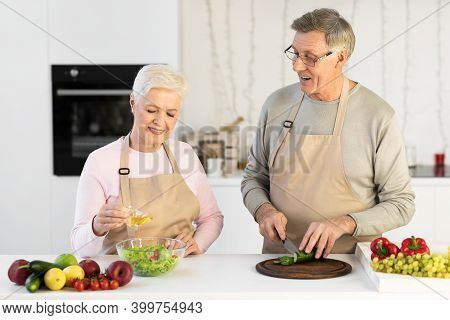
(373, 154)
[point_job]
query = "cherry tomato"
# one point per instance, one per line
(72, 282)
(79, 285)
(155, 256)
(104, 284)
(95, 285)
(113, 284)
(87, 283)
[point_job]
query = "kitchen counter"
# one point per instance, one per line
(213, 276)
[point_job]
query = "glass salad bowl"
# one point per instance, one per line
(152, 256)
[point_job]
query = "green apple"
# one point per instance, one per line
(65, 260)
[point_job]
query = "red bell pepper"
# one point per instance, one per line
(411, 246)
(382, 248)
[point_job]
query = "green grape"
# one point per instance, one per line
(419, 274)
(415, 264)
(404, 272)
(376, 260)
(389, 270)
(399, 263)
(433, 270)
(447, 275)
(418, 256)
(416, 269)
(400, 254)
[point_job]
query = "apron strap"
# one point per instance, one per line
(342, 108)
(287, 125)
(172, 160)
(124, 171)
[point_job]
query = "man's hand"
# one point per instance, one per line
(324, 234)
(272, 223)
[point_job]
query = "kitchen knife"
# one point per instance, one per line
(289, 246)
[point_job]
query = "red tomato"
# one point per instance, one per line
(79, 285)
(113, 284)
(104, 284)
(72, 282)
(155, 256)
(95, 285)
(87, 283)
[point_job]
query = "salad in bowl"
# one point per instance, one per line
(152, 256)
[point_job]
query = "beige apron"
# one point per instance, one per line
(308, 182)
(165, 197)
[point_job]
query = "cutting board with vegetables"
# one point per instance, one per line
(316, 269)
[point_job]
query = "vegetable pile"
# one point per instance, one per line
(152, 260)
(413, 258)
(67, 272)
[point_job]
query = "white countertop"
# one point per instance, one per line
(213, 276)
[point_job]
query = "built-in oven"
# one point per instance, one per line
(90, 109)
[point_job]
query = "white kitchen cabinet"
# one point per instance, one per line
(25, 122)
(113, 32)
(240, 232)
(442, 218)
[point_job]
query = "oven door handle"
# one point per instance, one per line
(93, 92)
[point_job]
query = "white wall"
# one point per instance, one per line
(37, 208)
(232, 54)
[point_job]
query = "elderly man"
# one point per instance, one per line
(327, 168)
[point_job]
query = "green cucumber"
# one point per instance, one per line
(33, 282)
(40, 267)
(302, 256)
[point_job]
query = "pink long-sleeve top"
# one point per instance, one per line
(99, 183)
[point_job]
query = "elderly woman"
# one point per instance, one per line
(328, 166)
(146, 170)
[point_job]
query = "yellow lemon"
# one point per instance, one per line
(55, 279)
(73, 272)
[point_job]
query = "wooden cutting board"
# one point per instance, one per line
(317, 269)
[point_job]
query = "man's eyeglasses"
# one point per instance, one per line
(309, 61)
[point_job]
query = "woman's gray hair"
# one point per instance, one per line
(158, 76)
(338, 32)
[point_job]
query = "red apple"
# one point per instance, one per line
(18, 275)
(120, 271)
(90, 267)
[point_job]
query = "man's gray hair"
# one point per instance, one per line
(158, 76)
(338, 32)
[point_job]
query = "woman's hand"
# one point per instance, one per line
(191, 244)
(324, 234)
(111, 215)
